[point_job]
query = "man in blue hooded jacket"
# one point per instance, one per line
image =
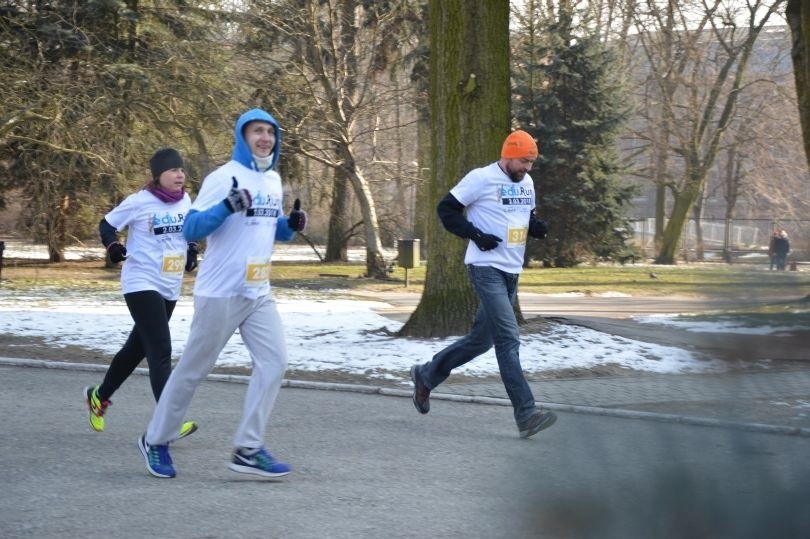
(239, 211)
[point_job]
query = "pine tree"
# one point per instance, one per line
(90, 89)
(569, 98)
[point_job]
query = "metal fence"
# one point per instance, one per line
(728, 240)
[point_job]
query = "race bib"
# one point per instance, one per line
(258, 271)
(174, 262)
(516, 236)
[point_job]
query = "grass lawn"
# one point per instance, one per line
(689, 280)
(709, 280)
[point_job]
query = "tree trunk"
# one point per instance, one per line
(469, 108)
(697, 213)
(338, 235)
(55, 233)
(420, 84)
(798, 16)
(375, 262)
(733, 180)
(423, 207)
(662, 146)
(684, 200)
(660, 215)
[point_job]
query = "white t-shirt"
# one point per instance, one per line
(497, 205)
(156, 249)
(237, 254)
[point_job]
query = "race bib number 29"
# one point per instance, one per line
(173, 263)
(258, 271)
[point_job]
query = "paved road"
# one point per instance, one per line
(367, 465)
(768, 383)
(631, 456)
(404, 302)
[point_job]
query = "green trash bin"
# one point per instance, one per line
(408, 253)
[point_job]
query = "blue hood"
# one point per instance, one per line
(241, 151)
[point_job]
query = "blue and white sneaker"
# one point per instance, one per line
(158, 459)
(257, 461)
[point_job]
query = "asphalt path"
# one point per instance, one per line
(403, 303)
(367, 465)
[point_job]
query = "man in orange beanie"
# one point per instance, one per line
(489, 204)
(519, 145)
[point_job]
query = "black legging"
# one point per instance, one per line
(150, 337)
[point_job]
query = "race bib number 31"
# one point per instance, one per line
(258, 271)
(173, 263)
(516, 236)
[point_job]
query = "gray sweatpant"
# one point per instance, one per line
(215, 321)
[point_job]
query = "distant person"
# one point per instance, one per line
(772, 249)
(781, 248)
(155, 256)
(493, 207)
(239, 209)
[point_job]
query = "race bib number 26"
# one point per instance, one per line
(258, 271)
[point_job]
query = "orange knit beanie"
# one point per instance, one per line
(519, 145)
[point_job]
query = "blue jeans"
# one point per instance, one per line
(495, 324)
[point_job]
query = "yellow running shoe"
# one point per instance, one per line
(188, 428)
(96, 406)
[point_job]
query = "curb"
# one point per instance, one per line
(470, 399)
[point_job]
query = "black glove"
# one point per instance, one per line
(484, 241)
(118, 253)
(298, 218)
(538, 228)
(191, 257)
(237, 199)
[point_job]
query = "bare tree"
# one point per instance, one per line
(764, 169)
(697, 53)
(330, 56)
